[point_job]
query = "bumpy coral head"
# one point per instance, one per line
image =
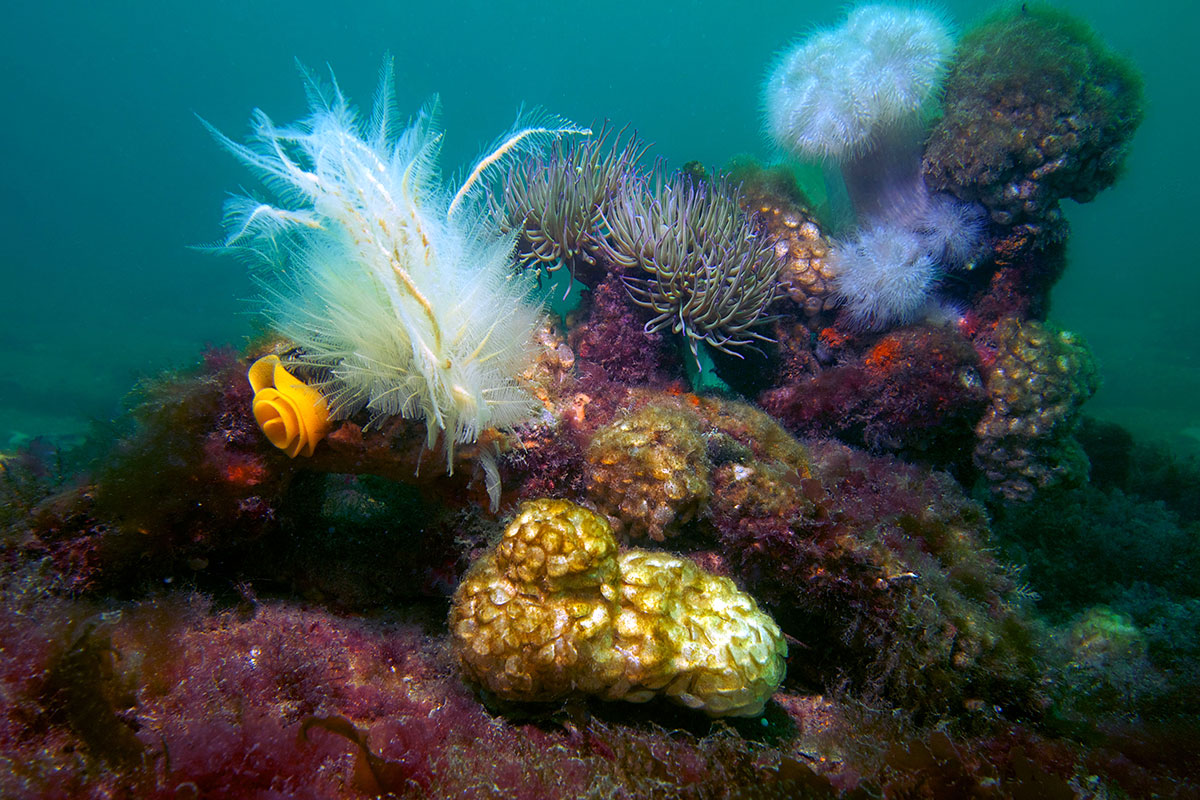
(554, 545)
(833, 94)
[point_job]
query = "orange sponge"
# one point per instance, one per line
(291, 413)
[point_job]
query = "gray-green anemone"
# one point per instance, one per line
(709, 272)
(557, 200)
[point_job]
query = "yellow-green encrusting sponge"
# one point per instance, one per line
(554, 610)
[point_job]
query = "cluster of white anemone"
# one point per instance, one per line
(834, 93)
(856, 97)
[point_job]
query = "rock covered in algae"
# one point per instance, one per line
(554, 610)
(776, 202)
(1036, 108)
(807, 275)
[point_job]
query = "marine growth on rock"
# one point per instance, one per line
(1036, 109)
(1038, 381)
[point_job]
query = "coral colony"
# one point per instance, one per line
(425, 538)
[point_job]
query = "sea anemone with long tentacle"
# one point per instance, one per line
(710, 274)
(556, 201)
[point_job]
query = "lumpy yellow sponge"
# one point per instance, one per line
(554, 610)
(648, 472)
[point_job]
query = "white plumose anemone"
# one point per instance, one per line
(953, 230)
(856, 98)
(885, 277)
(401, 294)
(835, 94)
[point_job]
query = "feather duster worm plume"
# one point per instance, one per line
(398, 292)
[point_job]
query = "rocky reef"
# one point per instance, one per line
(1037, 109)
(740, 523)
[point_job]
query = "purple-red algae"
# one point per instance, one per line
(611, 344)
(217, 698)
(916, 391)
(879, 569)
(881, 573)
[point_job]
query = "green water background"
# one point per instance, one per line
(108, 176)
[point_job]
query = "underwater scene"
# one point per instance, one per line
(495, 400)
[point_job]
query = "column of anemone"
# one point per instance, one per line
(525, 206)
(702, 272)
(749, 268)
